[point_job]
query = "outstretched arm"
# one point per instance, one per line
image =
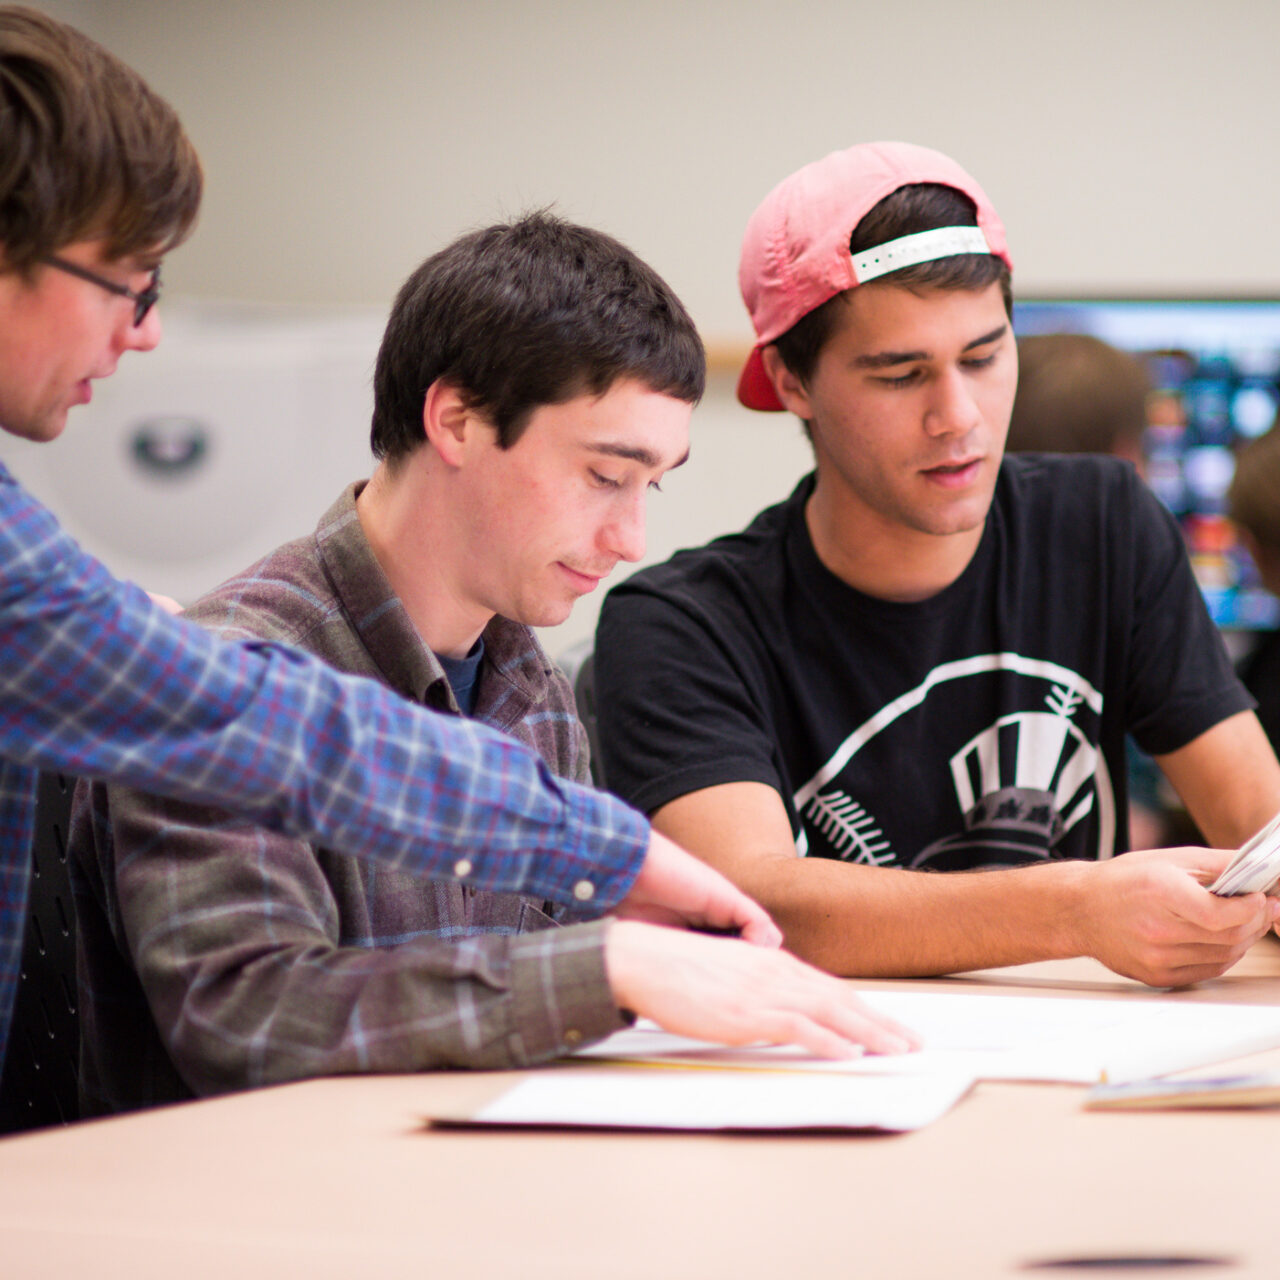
(98, 681)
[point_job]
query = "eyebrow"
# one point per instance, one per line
(135, 264)
(636, 453)
(884, 359)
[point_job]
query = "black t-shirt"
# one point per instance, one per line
(983, 726)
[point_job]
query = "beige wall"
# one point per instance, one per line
(1129, 144)
(1126, 142)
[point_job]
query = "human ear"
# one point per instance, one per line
(445, 421)
(786, 385)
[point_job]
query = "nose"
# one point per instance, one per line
(624, 535)
(952, 409)
(145, 336)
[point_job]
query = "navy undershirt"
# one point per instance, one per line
(461, 674)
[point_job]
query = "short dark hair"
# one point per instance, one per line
(523, 314)
(922, 206)
(87, 150)
(1077, 394)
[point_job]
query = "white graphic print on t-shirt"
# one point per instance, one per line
(1009, 792)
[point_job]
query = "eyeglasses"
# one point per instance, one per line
(142, 302)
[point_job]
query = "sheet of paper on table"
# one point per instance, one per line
(756, 1101)
(1066, 1039)
(1256, 866)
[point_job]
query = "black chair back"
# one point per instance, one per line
(40, 1084)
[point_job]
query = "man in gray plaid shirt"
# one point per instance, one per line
(535, 380)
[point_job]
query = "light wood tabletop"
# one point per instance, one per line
(340, 1178)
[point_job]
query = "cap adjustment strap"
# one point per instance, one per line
(923, 246)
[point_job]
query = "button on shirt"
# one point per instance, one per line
(96, 680)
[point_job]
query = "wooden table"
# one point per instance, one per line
(338, 1178)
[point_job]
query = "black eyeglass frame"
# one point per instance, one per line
(142, 301)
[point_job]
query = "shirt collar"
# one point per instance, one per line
(512, 653)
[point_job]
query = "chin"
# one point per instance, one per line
(544, 613)
(38, 432)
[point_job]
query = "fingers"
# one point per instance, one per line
(166, 603)
(1225, 919)
(1153, 921)
(878, 1033)
(724, 990)
(1161, 893)
(675, 887)
(795, 1028)
(832, 1031)
(1180, 964)
(759, 929)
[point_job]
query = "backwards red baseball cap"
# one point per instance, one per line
(795, 254)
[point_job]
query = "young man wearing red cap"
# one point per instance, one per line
(927, 658)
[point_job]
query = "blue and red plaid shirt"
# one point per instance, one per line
(97, 681)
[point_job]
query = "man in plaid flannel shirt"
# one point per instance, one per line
(523, 408)
(97, 182)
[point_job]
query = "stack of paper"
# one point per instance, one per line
(1260, 1090)
(1079, 1041)
(1256, 867)
(719, 1100)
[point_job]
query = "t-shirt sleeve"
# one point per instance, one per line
(680, 709)
(1180, 679)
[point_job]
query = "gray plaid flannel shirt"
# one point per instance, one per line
(216, 955)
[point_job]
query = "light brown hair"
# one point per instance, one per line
(1253, 500)
(87, 150)
(1076, 394)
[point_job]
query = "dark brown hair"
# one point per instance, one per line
(529, 313)
(909, 209)
(87, 150)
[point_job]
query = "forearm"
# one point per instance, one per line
(885, 922)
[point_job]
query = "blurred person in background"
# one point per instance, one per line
(1253, 503)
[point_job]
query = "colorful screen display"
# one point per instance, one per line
(1215, 373)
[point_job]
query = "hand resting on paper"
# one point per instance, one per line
(1150, 916)
(727, 991)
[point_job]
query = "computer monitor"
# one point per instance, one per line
(1215, 373)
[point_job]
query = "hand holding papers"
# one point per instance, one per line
(1256, 867)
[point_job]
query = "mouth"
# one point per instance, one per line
(954, 475)
(581, 582)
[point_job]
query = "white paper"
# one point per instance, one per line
(1256, 866)
(704, 1100)
(1081, 1041)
